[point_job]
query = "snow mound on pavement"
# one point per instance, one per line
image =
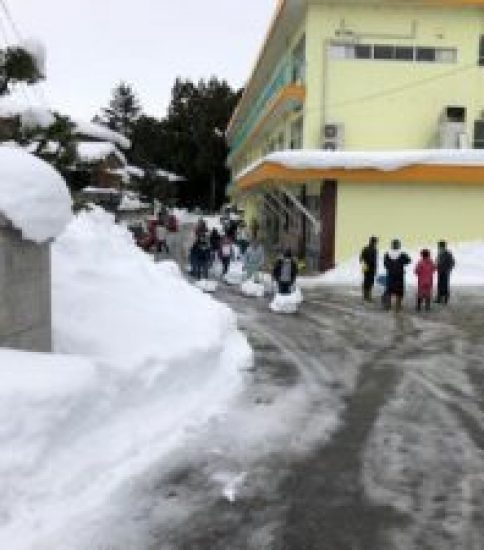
(289, 303)
(113, 303)
(147, 360)
(469, 270)
(236, 274)
(252, 289)
(33, 196)
(207, 286)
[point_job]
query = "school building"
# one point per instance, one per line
(363, 118)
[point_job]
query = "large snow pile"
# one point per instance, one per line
(469, 270)
(147, 359)
(33, 196)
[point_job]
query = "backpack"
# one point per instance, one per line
(286, 271)
(226, 250)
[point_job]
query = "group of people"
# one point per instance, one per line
(227, 246)
(215, 246)
(395, 262)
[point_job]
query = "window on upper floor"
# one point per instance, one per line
(297, 134)
(404, 53)
(481, 51)
(383, 52)
(390, 52)
(299, 62)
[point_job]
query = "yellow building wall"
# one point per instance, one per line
(417, 214)
(391, 104)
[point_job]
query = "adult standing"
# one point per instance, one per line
(254, 258)
(395, 261)
(225, 253)
(215, 239)
(445, 265)
(200, 258)
(369, 265)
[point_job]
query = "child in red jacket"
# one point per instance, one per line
(425, 270)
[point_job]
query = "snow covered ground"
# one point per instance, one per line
(143, 361)
(469, 270)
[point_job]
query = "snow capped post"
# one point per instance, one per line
(35, 206)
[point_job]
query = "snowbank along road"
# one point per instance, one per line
(357, 430)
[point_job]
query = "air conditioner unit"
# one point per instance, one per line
(329, 146)
(452, 127)
(479, 133)
(332, 137)
(451, 135)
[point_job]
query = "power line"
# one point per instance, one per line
(6, 9)
(3, 31)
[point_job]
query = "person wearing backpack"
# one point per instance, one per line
(395, 261)
(285, 272)
(445, 265)
(225, 253)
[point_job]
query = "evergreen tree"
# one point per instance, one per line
(17, 65)
(123, 111)
(190, 141)
(55, 144)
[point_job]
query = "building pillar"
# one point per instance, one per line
(329, 198)
(25, 292)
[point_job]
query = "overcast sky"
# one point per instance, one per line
(93, 44)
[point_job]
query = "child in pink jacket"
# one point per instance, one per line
(425, 270)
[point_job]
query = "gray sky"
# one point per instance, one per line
(93, 44)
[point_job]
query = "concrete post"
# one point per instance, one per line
(25, 292)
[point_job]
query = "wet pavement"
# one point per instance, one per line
(358, 430)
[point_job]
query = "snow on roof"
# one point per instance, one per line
(135, 171)
(95, 151)
(169, 176)
(91, 129)
(102, 190)
(33, 196)
(31, 116)
(379, 160)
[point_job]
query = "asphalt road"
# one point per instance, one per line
(358, 430)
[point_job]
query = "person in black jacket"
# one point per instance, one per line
(395, 262)
(369, 265)
(285, 272)
(200, 258)
(445, 265)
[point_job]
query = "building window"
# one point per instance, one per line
(390, 52)
(297, 133)
(481, 51)
(426, 54)
(342, 51)
(363, 51)
(299, 62)
(404, 53)
(383, 52)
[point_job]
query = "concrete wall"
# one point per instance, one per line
(391, 104)
(418, 214)
(25, 292)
